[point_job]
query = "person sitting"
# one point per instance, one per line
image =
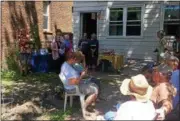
(140, 107)
(72, 77)
(174, 114)
(80, 66)
(159, 70)
(162, 97)
(175, 77)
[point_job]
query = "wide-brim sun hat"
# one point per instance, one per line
(140, 84)
(173, 58)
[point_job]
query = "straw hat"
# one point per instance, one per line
(173, 58)
(137, 86)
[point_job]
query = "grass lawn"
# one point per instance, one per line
(35, 84)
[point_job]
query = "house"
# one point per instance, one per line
(128, 27)
(44, 16)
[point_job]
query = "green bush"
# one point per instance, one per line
(12, 75)
(12, 60)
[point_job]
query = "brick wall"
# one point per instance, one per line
(20, 14)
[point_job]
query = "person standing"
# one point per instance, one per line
(161, 45)
(83, 46)
(55, 46)
(62, 50)
(176, 48)
(94, 52)
(68, 44)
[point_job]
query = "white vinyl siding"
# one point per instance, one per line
(140, 47)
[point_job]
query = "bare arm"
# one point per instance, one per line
(53, 46)
(167, 106)
(75, 81)
(164, 96)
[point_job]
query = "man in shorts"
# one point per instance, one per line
(72, 78)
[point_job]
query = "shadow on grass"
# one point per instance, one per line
(61, 115)
(32, 86)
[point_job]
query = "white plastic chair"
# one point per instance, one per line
(70, 94)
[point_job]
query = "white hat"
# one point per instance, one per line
(174, 58)
(140, 85)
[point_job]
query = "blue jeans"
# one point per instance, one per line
(110, 115)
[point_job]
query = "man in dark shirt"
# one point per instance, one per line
(83, 46)
(94, 51)
(176, 47)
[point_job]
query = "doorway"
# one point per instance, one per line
(89, 24)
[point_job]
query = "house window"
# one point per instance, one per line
(116, 21)
(46, 15)
(172, 19)
(125, 21)
(133, 26)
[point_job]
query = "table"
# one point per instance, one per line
(116, 60)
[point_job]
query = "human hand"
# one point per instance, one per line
(83, 73)
(160, 114)
(86, 70)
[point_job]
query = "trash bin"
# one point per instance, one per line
(39, 62)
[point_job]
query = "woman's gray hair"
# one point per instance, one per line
(84, 36)
(93, 36)
(66, 36)
(175, 59)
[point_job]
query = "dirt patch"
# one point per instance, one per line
(25, 111)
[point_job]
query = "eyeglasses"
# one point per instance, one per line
(166, 74)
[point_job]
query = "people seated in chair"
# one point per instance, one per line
(80, 66)
(72, 78)
(175, 77)
(163, 92)
(140, 107)
(161, 96)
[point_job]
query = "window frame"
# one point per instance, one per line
(125, 7)
(117, 21)
(47, 15)
(164, 20)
